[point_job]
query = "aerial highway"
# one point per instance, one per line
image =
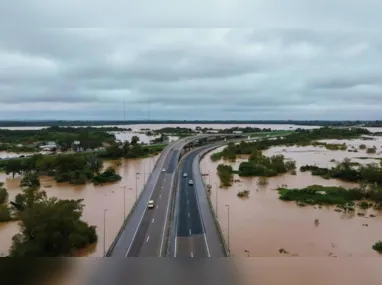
(144, 234)
(196, 231)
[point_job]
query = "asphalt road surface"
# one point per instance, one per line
(194, 235)
(144, 235)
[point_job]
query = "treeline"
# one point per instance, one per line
(299, 137)
(130, 150)
(49, 227)
(73, 168)
(64, 137)
(42, 123)
(371, 174)
(77, 168)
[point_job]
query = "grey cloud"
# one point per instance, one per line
(302, 61)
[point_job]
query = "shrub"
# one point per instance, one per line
(378, 246)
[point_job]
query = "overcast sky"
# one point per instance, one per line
(295, 59)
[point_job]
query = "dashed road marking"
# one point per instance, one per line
(192, 254)
(148, 239)
(152, 221)
(189, 231)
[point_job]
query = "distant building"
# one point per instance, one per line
(212, 131)
(237, 132)
(49, 146)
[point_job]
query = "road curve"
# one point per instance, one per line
(197, 234)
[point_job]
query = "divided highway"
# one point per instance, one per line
(145, 233)
(196, 231)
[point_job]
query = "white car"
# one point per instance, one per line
(185, 174)
(163, 169)
(190, 182)
(150, 205)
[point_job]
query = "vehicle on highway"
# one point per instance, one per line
(185, 174)
(150, 205)
(190, 182)
(163, 169)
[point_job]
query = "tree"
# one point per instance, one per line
(5, 214)
(30, 180)
(134, 140)
(28, 198)
(95, 164)
(13, 167)
(52, 228)
(3, 194)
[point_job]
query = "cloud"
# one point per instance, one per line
(302, 61)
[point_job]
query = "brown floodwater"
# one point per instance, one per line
(96, 200)
(262, 224)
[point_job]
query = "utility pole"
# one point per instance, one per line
(104, 232)
(124, 202)
(228, 229)
(216, 187)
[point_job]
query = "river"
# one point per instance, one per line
(262, 224)
(96, 199)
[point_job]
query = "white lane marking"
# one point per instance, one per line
(148, 239)
(162, 187)
(156, 207)
(192, 254)
(152, 221)
(140, 221)
(188, 202)
(189, 231)
(160, 196)
(188, 214)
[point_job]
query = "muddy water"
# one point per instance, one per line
(96, 200)
(262, 224)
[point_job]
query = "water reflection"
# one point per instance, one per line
(263, 224)
(96, 199)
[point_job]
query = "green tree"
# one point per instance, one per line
(13, 167)
(95, 164)
(52, 228)
(3, 194)
(5, 214)
(28, 198)
(30, 180)
(134, 140)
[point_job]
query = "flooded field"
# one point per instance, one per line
(96, 200)
(262, 225)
